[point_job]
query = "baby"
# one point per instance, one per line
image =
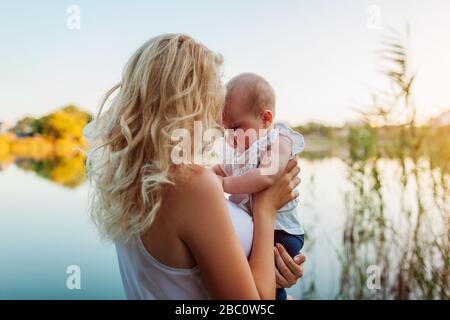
(261, 151)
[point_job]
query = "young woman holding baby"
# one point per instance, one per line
(176, 235)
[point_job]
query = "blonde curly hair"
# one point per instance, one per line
(169, 83)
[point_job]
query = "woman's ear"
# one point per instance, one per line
(267, 118)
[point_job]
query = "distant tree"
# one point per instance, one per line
(23, 126)
(38, 126)
(317, 129)
(65, 123)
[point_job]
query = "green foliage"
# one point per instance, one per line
(412, 257)
(65, 123)
(23, 126)
(362, 141)
(318, 129)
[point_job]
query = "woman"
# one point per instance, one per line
(176, 236)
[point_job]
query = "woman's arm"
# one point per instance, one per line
(207, 231)
(267, 200)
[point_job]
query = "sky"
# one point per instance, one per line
(320, 56)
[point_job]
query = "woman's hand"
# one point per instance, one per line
(281, 192)
(288, 270)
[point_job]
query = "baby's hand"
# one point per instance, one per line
(218, 170)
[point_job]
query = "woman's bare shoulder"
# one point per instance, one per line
(192, 179)
(193, 186)
(196, 193)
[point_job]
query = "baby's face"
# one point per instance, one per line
(239, 118)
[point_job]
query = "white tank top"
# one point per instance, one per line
(144, 277)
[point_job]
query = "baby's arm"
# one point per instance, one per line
(254, 181)
(218, 170)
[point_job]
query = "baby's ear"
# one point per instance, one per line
(267, 118)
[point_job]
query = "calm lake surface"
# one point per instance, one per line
(355, 216)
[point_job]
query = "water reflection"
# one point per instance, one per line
(67, 171)
(364, 205)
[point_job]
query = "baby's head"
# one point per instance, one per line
(249, 104)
